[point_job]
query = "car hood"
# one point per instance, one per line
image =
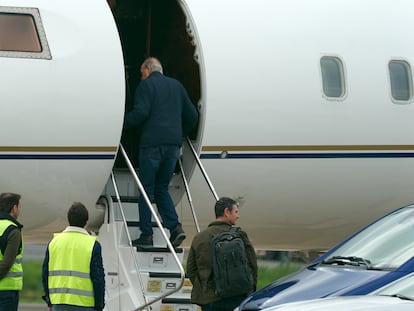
(310, 283)
(350, 303)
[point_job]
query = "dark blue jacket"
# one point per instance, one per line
(163, 111)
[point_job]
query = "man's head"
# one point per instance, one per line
(150, 65)
(10, 204)
(227, 210)
(78, 215)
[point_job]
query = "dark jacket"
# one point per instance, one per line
(199, 264)
(163, 111)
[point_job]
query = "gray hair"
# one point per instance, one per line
(155, 67)
(153, 64)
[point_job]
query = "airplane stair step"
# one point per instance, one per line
(155, 249)
(158, 283)
(175, 305)
(150, 261)
(176, 301)
(126, 199)
(178, 304)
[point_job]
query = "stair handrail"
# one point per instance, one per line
(133, 253)
(203, 171)
(158, 221)
(189, 198)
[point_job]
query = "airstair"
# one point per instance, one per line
(141, 278)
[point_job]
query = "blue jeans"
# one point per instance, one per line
(9, 300)
(156, 169)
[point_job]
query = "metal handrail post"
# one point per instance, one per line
(203, 171)
(187, 191)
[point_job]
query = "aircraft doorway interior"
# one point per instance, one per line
(154, 28)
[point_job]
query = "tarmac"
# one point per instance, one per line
(32, 307)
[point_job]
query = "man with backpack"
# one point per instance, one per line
(222, 263)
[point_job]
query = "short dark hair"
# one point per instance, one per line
(8, 200)
(78, 215)
(222, 204)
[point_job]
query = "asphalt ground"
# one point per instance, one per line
(32, 307)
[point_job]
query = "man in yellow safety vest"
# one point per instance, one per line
(73, 274)
(11, 247)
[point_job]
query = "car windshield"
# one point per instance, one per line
(402, 288)
(386, 244)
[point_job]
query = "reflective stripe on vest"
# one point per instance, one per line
(69, 279)
(14, 278)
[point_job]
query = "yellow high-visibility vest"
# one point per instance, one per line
(14, 278)
(69, 278)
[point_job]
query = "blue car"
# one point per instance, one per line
(397, 296)
(377, 255)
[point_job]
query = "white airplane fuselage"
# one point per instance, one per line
(307, 168)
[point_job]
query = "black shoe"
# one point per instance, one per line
(143, 241)
(177, 236)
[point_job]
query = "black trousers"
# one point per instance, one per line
(9, 300)
(225, 304)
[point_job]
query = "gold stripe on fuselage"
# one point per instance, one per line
(58, 148)
(309, 148)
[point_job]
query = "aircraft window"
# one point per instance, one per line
(22, 34)
(401, 81)
(18, 33)
(333, 80)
